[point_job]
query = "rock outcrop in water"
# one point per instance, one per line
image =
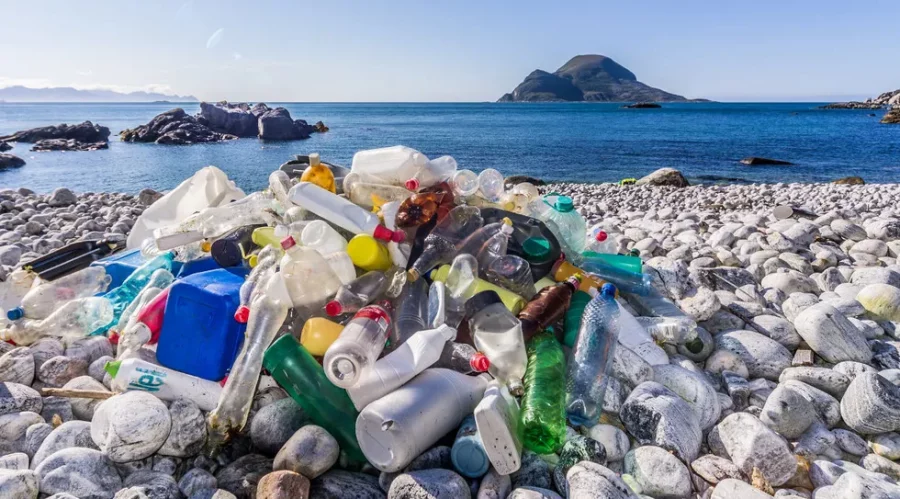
(222, 121)
(885, 99)
(82, 137)
(892, 117)
(588, 78)
(10, 161)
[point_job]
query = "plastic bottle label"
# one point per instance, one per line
(150, 380)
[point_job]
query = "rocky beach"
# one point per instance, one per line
(790, 389)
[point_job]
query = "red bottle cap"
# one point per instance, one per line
(153, 313)
(398, 236)
(601, 236)
(242, 314)
(480, 362)
(114, 338)
(383, 233)
(288, 243)
(225, 379)
(412, 184)
(333, 308)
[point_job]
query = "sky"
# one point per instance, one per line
(460, 50)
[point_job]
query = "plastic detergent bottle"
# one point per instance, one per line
(497, 418)
(395, 429)
(467, 454)
(548, 307)
(318, 174)
(267, 314)
(490, 184)
(318, 334)
(434, 172)
(543, 414)
(462, 358)
(73, 320)
(341, 212)
(328, 406)
(40, 301)
(512, 301)
(120, 297)
(165, 384)
(266, 258)
(310, 279)
(370, 193)
(322, 237)
(368, 253)
(511, 272)
(358, 346)
(390, 372)
(358, 293)
(392, 165)
(592, 358)
(440, 243)
(410, 313)
(498, 334)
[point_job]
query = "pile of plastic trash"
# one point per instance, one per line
(395, 302)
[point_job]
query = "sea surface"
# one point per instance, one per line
(576, 142)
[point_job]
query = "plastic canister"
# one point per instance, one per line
(368, 253)
(318, 334)
(497, 418)
(395, 429)
(467, 454)
(199, 335)
(512, 301)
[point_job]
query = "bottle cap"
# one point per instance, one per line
(564, 204)
(601, 236)
(112, 367)
(608, 291)
(536, 247)
(387, 235)
(479, 362)
(480, 301)
(114, 338)
(288, 243)
(333, 308)
(412, 184)
(242, 314)
(15, 314)
(314, 159)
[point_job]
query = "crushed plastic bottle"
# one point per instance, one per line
(410, 313)
(358, 346)
(463, 358)
(543, 414)
(495, 246)
(440, 244)
(498, 334)
(279, 185)
(600, 241)
(39, 302)
(353, 296)
(319, 174)
(73, 320)
(434, 172)
(310, 279)
(267, 258)
(512, 273)
(122, 296)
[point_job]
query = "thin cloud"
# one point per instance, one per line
(237, 56)
(215, 38)
(85, 73)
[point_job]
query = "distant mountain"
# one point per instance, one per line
(68, 94)
(587, 78)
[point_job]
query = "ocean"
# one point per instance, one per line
(575, 142)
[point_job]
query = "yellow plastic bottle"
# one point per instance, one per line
(318, 334)
(368, 253)
(512, 301)
(318, 174)
(564, 270)
(265, 236)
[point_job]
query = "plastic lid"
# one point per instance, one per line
(564, 204)
(601, 236)
(288, 243)
(480, 301)
(480, 362)
(242, 314)
(113, 367)
(412, 184)
(314, 159)
(536, 247)
(608, 291)
(387, 235)
(15, 314)
(333, 308)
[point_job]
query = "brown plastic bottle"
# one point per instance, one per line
(420, 208)
(547, 307)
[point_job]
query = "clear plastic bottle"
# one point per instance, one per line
(351, 297)
(568, 221)
(441, 242)
(279, 185)
(476, 241)
(462, 358)
(410, 313)
(434, 172)
(490, 184)
(322, 237)
(159, 280)
(319, 174)
(266, 258)
(464, 183)
(494, 246)
(511, 272)
(592, 358)
(358, 346)
(254, 209)
(633, 336)
(309, 278)
(437, 306)
(341, 212)
(267, 313)
(13, 290)
(392, 165)
(368, 193)
(122, 296)
(498, 334)
(600, 241)
(625, 280)
(73, 320)
(42, 300)
(513, 302)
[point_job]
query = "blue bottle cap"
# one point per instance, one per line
(608, 291)
(15, 314)
(564, 204)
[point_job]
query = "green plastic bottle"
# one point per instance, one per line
(543, 414)
(303, 378)
(572, 319)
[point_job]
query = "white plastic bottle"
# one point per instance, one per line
(399, 251)
(395, 429)
(490, 184)
(322, 237)
(435, 171)
(164, 383)
(498, 334)
(390, 372)
(357, 348)
(341, 212)
(497, 418)
(392, 165)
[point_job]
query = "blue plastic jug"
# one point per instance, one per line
(199, 334)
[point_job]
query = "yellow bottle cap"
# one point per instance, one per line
(318, 334)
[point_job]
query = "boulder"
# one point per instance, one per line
(283, 485)
(764, 357)
(852, 180)
(881, 300)
(748, 443)
(337, 484)
(10, 161)
(67, 145)
(276, 124)
(229, 118)
(17, 398)
(587, 480)
(892, 117)
(758, 161)
(655, 415)
(174, 127)
(871, 405)
(67, 435)
(311, 451)
(659, 473)
(831, 335)
(84, 473)
(82, 132)
(664, 176)
(131, 426)
(242, 476)
(434, 483)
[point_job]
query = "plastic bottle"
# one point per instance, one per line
(342, 266)
(267, 314)
(328, 406)
(571, 224)
(279, 185)
(563, 270)
(310, 279)
(592, 358)
(511, 272)
(13, 290)
(159, 280)
(434, 172)
(399, 252)
(396, 428)
(467, 454)
(526, 189)
(410, 313)
(392, 165)
(358, 293)
(234, 247)
(490, 184)
(153, 313)
(73, 320)
(417, 209)
(513, 302)
(630, 282)
(464, 183)
(212, 222)
(543, 414)
(266, 259)
(318, 174)
(42, 300)
(322, 237)
(266, 236)
(548, 307)
(475, 241)
(440, 244)
(318, 334)
(390, 372)
(572, 319)
(634, 337)
(600, 241)
(462, 358)
(497, 418)
(145, 324)
(498, 334)
(370, 193)
(358, 346)
(665, 320)
(341, 212)
(165, 384)
(368, 253)
(122, 296)
(495, 246)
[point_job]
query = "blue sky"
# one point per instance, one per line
(461, 50)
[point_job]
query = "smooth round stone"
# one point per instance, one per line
(655, 415)
(17, 366)
(84, 408)
(196, 479)
(827, 380)
(22, 483)
(614, 440)
(731, 488)
(576, 449)
(778, 329)
(59, 370)
(748, 443)
(90, 348)
(533, 493)
(828, 332)
(427, 484)
(85, 473)
(848, 230)
(764, 357)
(694, 389)
(879, 464)
(881, 300)
(850, 442)
(153, 483)
(336, 484)
(886, 445)
(15, 397)
(188, 434)
(852, 369)
(871, 405)
(14, 461)
(242, 476)
(34, 437)
(726, 360)
(787, 412)
(588, 480)
(274, 424)
(97, 369)
(130, 426)
(65, 436)
(630, 367)
(790, 281)
(700, 304)
(534, 472)
(659, 473)
(494, 486)
(283, 485)
(311, 451)
(797, 303)
(13, 429)
(714, 469)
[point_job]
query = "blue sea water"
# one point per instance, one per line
(578, 142)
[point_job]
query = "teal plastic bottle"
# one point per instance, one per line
(122, 296)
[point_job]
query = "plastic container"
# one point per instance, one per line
(467, 454)
(511, 272)
(357, 294)
(390, 372)
(322, 237)
(476, 241)
(570, 223)
(564, 270)
(531, 239)
(310, 279)
(399, 252)
(572, 319)
(318, 334)
(120, 265)
(497, 418)
(40, 301)
(600, 241)
(392, 165)
(434, 172)
(153, 314)
(627, 263)
(368, 253)
(410, 313)
(328, 406)
(630, 282)
(341, 212)
(490, 184)
(592, 358)
(267, 258)
(495, 246)
(342, 266)
(548, 307)
(122, 296)
(498, 334)
(165, 384)
(279, 185)
(441, 243)
(358, 346)
(512, 301)
(265, 236)
(75, 319)
(159, 280)
(199, 336)
(634, 337)
(543, 414)
(371, 194)
(234, 247)
(318, 174)
(464, 183)
(462, 358)
(395, 429)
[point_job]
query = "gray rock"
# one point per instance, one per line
(871, 404)
(790, 281)
(764, 357)
(852, 369)
(827, 380)
(58, 407)
(130, 426)
(62, 197)
(494, 486)
(694, 389)
(311, 451)
(886, 445)
(14, 428)
(659, 473)
(97, 369)
(426, 484)
(90, 348)
(65, 436)
(673, 274)
(338, 484)
(788, 412)
(628, 366)
(212, 494)
(731, 488)
(700, 303)
(18, 484)
(85, 473)
(148, 196)
(655, 415)
(242, 476)
(10, 255)
(850, 442)
(17, 366)
(59, 370)
(576, 449)
(748, 443)
(827, 407)
(726, 360)
(153, 484)
(714, 469)
(722, 321)
(45, 349)
(856, 486)
(879, 464)
(587, 480)
(614, 440)
(15, 397)
(533, 493)
(84, 408)
(14, 461)
(274, 424)
(831, 335)
(196, 479)
(796, 303)
(188, 434)
(35, 436)
(534, 472)
(778, 329)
